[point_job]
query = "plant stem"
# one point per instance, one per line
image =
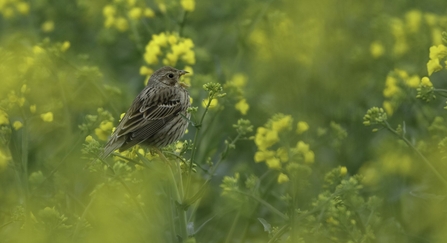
(194, 147)
(268, 205)
(426, 161)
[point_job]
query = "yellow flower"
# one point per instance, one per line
(149, 13)
(282, 124)
(109, 11)
(188, 5)
(110, 21)
(23, 8)
(438, 52)
(17, 125)
(388, 107)
(433, 66)
(263, 155)
(104, 130)
(21, 101)
(273, 163)
(172, 39)
(48, 26)
(135, 13)
(302, 147)
(242, 106)
(343, 171)
(178, 146)
(4, 159)
(391, 87)
(271, 137)
(413, 81)
(38, 50)
(282, 154)
(122, 24)
(8, 12)
(23, 89)
(47, 117)
(265, 138)
(376, 49)
(401, 73)
(89, 138)
(282, 178)
(146, 71)
(309, 157)
(187, 77)
(131, 3)
(3, 118)
(425, 81)
(413, 20)
(32, 108)
(189, 57)
(160, 39)
(65, 46)
(239, 80)
(162, 7)
(301, 127)
(213, 103)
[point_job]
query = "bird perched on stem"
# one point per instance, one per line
(157, 117)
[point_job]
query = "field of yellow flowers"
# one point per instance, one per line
(312, 121)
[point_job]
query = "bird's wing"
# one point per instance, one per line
(147, 115)
(149, 110)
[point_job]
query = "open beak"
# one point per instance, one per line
(183, 72)
(184, 85)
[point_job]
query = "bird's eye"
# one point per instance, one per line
(171, 75)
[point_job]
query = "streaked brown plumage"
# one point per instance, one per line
(158, 115)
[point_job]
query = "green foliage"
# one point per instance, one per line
(276, 149)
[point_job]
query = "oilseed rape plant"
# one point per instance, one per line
(309, 122)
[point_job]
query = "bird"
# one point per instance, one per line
(158, 115)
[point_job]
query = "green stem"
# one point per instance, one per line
(194, 147)
(127, 189)
(278, 234)
(84, 213)
(426, 161)
(199, 193)
(268, 205)
(233, 226)
(178, 192)
(24, 178)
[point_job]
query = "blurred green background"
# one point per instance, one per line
(70, 68)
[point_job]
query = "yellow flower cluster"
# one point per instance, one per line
(377, 49)
(47, 26)
(274, 151)
(302, 127)
(11, 8)
(388, 164)
(213, 105)
(104, 130)
(400, 39)
(188, 5)
(238, 82)
(403, 30)
(47, 117)
(174, 47)
(303, 149)
(437, 53)
(4, 118)
(118, 14)
(393, 92)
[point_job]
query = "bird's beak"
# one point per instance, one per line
(184, 85)
(183, 72)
